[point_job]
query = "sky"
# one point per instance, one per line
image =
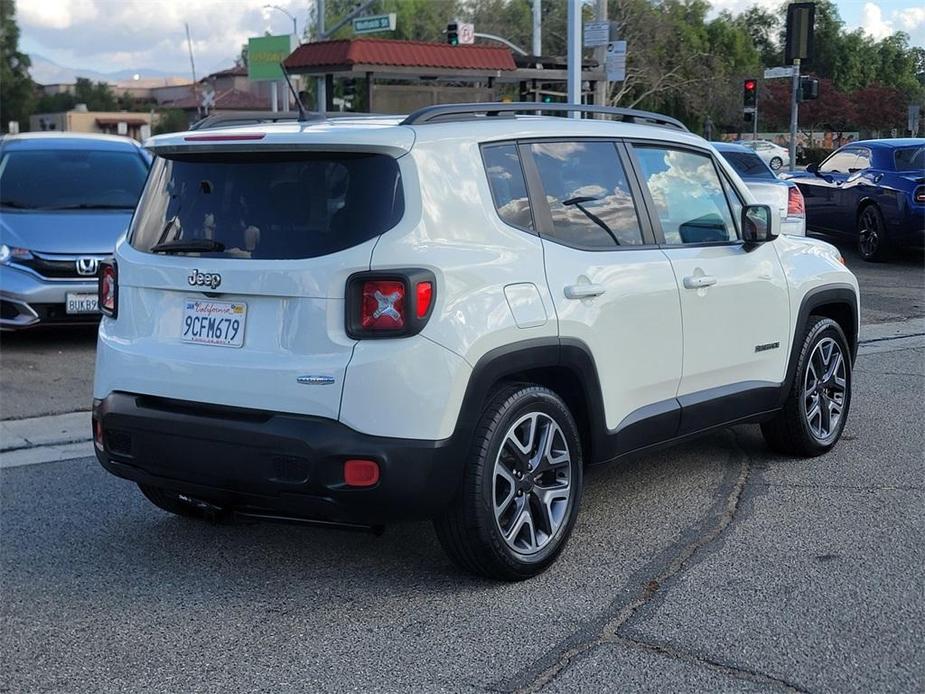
(110, 35)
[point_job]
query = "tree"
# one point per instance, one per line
(171, 120)
(879, 108)
(16, 87)
(97, 97)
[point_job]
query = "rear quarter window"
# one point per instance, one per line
(269, 206)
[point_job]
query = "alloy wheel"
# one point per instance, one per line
(531, 483)
(825, 389)
(869, 232)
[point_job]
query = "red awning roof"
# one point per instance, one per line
(391, 53)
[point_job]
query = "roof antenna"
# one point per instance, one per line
(303, 113)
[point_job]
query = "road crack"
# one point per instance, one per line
(606, 629)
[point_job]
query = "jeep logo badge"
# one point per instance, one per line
(204, 279)
(87, 267)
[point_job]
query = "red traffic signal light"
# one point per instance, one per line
(750, 93)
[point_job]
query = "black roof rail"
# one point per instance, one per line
(455, 112)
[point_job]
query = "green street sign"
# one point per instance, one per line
(264, 54)
(374, 23)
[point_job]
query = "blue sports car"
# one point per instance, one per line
(873, 190)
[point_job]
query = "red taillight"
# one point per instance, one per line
(389, 304)
(383, 305)
(361, 473)
(108, 299)
(224, 138)
(795, 207)
(425, 292)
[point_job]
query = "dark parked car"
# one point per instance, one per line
(872, 190)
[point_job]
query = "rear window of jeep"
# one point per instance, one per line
(267, 205)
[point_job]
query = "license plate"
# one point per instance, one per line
(219, 323)
(80, 303)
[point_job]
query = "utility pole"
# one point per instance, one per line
(321, 102)
(537, 28)
(574, 54)
(602, 87)
(794, 113)
(192, 64)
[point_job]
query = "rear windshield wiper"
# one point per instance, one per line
(188, 246)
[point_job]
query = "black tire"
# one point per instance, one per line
(776, 163)
(792, 431)
(171, 502)
(469, 531)
(873, 244)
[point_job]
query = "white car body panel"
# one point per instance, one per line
(496, 285)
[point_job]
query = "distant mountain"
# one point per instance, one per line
(45, 71)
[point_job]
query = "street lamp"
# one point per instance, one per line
(295, 29)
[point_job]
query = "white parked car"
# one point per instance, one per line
(449, 316)
(772, 154)
(783, 196)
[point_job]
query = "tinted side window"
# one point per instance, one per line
(688, 195)
(269, 205)
(588, 194)
(840, 162)
(508, 188)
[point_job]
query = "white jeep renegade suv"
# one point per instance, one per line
(449, 316)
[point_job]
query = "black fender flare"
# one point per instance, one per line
(843, 294)
(538, 353)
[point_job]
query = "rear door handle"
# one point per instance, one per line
(584, 291)
(699, 281)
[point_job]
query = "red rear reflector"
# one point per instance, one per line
(383, 305)
(920, 195)
(425, 292)
(223, 138)
(98, 433)
(361, 473)
(795, 206)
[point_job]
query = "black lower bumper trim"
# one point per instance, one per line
(272, 464)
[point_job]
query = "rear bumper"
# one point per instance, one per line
(272, 463)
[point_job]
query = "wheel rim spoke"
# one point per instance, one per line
(532, 483)
(825, 395)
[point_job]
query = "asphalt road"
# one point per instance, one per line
(50, 371)
(711, 567)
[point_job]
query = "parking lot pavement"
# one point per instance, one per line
(890, 291)
(46, 371)
(710, 567)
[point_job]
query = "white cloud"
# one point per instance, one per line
(910, 19)
(115, 34)
(873, 23)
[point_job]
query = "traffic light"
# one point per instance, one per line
(452, 34)
(809, 88)
(750, 93)
(748, 116)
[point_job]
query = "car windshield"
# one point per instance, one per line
(64, 179)
(910, 159)
(267, 205)
(748, 165)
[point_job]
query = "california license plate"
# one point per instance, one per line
(80, 303)
(219, 323)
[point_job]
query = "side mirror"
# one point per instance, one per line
(757, 225)
(813, 168)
